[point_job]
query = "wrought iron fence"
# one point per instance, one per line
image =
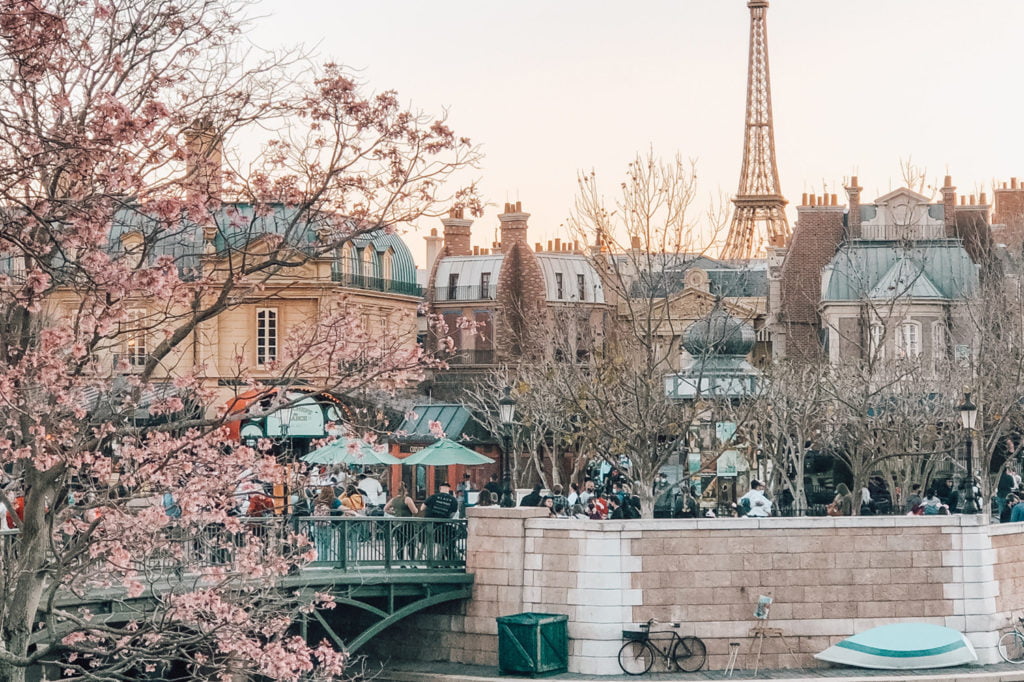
(465, 293)
(376, 283)
(386, 543)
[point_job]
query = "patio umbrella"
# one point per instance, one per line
(445, 452)
(341, 451)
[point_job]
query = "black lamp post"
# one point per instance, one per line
(968, 416)
(507, 414)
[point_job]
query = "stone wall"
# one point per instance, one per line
(830, 578)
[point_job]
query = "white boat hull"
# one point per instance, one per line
(902, 646)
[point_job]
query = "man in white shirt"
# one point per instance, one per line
(755, 499)
(372, 488)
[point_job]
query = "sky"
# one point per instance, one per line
(554, 87)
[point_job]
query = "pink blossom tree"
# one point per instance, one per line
(128, 220)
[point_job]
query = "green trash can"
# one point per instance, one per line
(533, 643)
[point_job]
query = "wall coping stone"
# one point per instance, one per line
(540, 521)
(506, 512)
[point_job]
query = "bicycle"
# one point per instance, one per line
(638, 653)
(1011, 644)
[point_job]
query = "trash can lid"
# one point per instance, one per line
(530, 618)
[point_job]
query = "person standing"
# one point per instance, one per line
(442, 505)
(401, 506)
(493, 486)
(758, 503)
(914, 501)
(1003, 488)
(532, 499)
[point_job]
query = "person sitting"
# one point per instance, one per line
(326, 502)
(1009, 504)
(913, 503)
(755, 503)
(352, 502)
(559, 501)
(932, 504)
(1018, 513)
(842, 503)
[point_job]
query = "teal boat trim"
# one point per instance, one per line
(890, 653)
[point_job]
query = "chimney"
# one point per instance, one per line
(558, 244)
(457, 234)
(949, 206)
(513, 226)
(434, 245)
(853, 217)
(203, 160)
(538, 247)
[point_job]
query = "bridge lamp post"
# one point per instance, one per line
(968, 417)
(507, 415)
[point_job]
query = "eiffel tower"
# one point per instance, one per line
(759, 220)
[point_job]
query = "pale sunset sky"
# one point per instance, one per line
(552, 87)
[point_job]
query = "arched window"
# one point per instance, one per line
(346, 259)
(908, 339)
(368, 261)
(385, 265)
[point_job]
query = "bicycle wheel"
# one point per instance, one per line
(635, 658)
(1011, 647)
(689, 654)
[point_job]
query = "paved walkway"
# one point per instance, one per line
(455, 672)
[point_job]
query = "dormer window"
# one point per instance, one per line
(581, 287)
(559, 290)
(485, 284)
(453, 285)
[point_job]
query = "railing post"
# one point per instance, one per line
(342, 536)
(388, 528)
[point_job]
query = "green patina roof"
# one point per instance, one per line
(456, 421)
(938, 269)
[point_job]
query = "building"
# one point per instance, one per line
(372, 275)
(878, 280)
(513, 294)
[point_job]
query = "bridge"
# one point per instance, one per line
(379, 571)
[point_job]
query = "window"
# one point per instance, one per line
(385, 264)
(266, 335)
(135, 349)
(346, 259)
(908, 340)
(453, 285)
(877, 348)
(559, 292)
(485, 285)
(368, 261)
(581, 287)
(940, 343)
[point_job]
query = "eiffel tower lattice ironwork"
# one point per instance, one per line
(759, 220)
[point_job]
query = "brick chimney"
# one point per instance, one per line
(456, 234)
(816, 236)
(513, 226)
(949, 206)
(203, 159)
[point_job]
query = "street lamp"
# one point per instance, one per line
(507, 414)
(968, 416)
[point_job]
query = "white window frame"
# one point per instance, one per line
(136, 347)
(559, 286)
(267, 335)
(940, 343)
(876, 341)
(581, 286)
(367, 267)
(385, 265)
(908, 339)
(346, 259)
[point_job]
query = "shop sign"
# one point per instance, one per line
(304, 419)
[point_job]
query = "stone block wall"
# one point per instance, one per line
(829, 578)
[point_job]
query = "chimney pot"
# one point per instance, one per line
(538, 248)
(1013, 183)
(814, 200)
(483, 252)
(1004, 185)
(835, 200)
(558, 244)
(575, 245)
(973, 203)
(550, 244)
(433, 232)
(853, 181)
(476, 250)
(634, 242)
(519, 207)
(983, 199)
(963, 200)
(947, 181)
(803, 199)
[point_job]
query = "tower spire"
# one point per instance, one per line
(759, 220)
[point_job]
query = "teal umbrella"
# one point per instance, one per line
(349, 451)
(445, 452)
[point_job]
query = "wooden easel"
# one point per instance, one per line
(760, 633)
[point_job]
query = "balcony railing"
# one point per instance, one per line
(377, 284)
(474, 292)
(902, 232)
(472, 357)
